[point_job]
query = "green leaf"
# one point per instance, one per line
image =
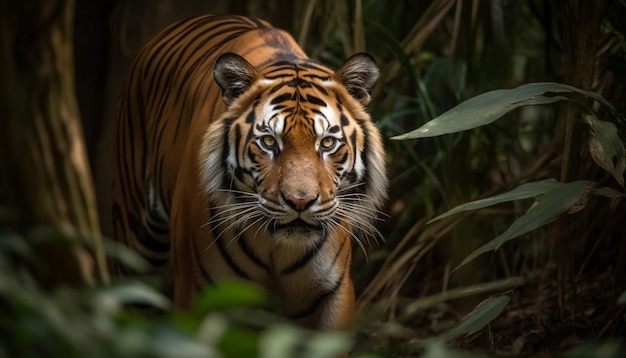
(609, 193)
(137, 293)
(280, 342)
(547, 208)
(482, 315)
(490, 106)
(328, 345)
(606, 147)
(229, 294)
(239, 343)
(622, 298)
(460, 292)
(523, 191)
(124, 255)
(610, 349)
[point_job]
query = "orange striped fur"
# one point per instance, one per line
(237, 157)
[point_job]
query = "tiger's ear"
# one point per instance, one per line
(234, 75)
(359, 74)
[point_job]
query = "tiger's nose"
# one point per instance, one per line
(299, 202)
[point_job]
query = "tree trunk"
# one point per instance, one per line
(581, 30)
(42, 140)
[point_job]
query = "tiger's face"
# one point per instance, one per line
(301, 156)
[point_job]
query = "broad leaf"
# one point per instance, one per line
(137, 293)
(327, 345)
(482, 315)
(547, 208)
(606, 147)
(229, 294)
(490, 106)
(523, 191)
(280, 342)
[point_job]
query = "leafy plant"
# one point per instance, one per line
(60, 320)
(551, 198)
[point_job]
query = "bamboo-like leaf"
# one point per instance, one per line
(460, 292)
(609, 193)
(490, 106)
(482, 315)
(606, 147)
(523, 191)
(547, 208)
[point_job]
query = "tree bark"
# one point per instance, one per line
(42, 140)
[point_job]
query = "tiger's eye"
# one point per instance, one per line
(328, 142)
(268, 141)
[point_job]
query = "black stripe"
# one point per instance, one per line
(229, 259)
(363, 154)
(313, 66)
(144, 238)
(155, 262)
(228, 122)
(315, 100)
(237, 140)
(282, 98)
(298, 83)
(319, 88)
(252, 156)
(334, 262)
(304, 259)
(225, 254)
(243, 244)
(276, 88)
(205, 274)
(343, 159)
(251, 117)
(156, 229)
(318, 301)
(240, 174)
(281, 65)
(353, 143)
(344, 120)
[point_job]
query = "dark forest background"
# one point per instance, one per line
(556, 289)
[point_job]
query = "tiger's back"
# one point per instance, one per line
(238, 157)
(169, 91)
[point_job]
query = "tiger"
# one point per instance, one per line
(239, 158)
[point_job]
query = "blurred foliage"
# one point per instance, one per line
(130, 319)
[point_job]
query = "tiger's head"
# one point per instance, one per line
(295, 154)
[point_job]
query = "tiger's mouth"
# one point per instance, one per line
(297, 224)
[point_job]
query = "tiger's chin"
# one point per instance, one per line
(296, 232)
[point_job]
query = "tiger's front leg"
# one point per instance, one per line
(330, 310)
(315, 283)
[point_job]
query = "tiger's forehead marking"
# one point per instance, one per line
(298, 92)
(297, 95)
(277, 117)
